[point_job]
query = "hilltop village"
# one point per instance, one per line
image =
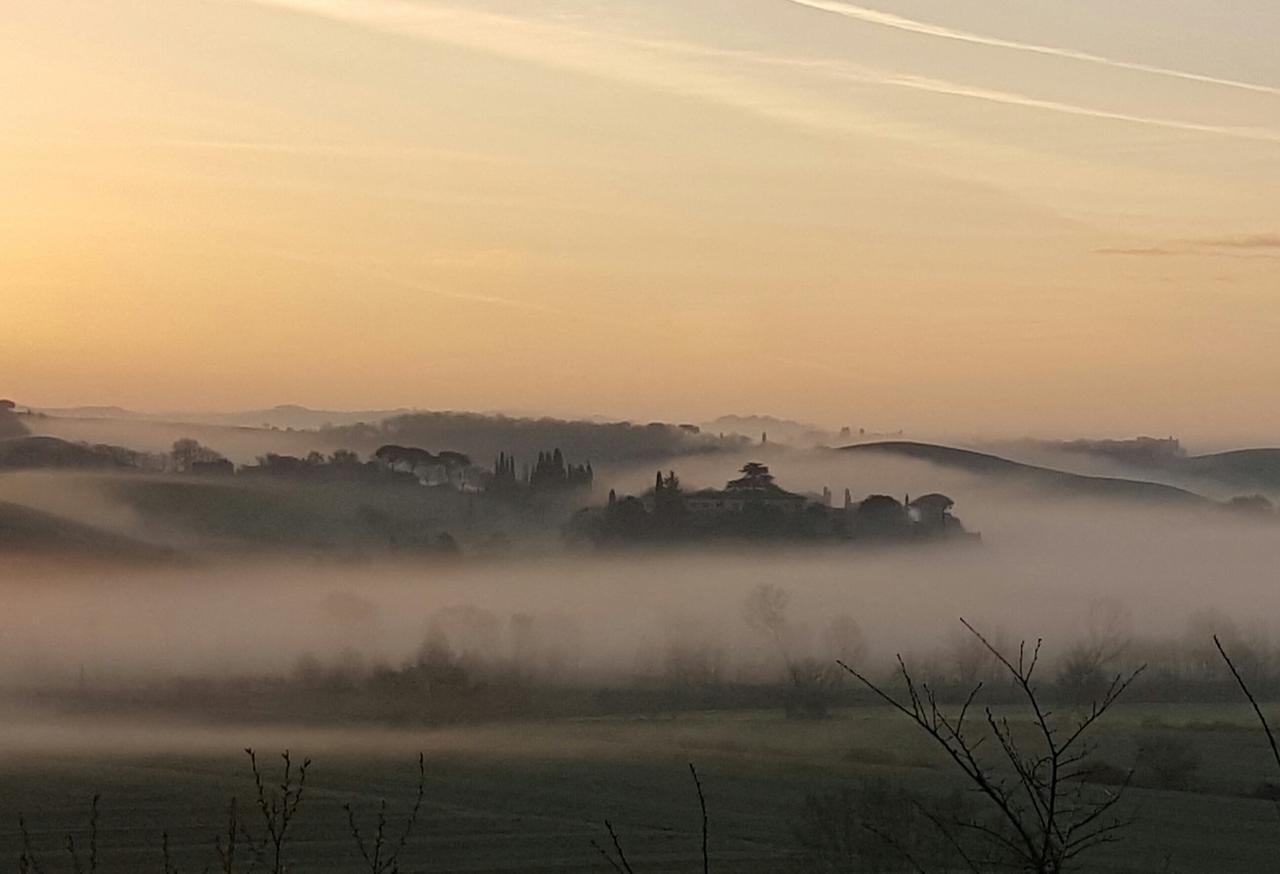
(753, 506)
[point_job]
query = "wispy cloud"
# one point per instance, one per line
(658, 64)
(939, 86)
(1143, 251)
(1245, 246)
(887, 19)
(1248, 241)
(417, 286)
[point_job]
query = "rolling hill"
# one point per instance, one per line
(1241, 468)
(996, 468)
(26, 530)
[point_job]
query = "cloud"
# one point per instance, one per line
(886, 19)
(657, 64)
(872, 76)
(1148, 251)
(420, 287)
(938, 86)
(1246, 246)
(1249, 241)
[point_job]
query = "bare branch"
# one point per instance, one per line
(702, 804)
(1266, 726)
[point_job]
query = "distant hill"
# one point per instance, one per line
(484, 436)
(1243, 468)
(25, 530)
(91, 412)
(280, 416)
(295, 416)
(43, 452)
(993, 466)
(11, 425)
(1246, 470)
(779, 430)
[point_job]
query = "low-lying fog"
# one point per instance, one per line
(1040, 572)
(1044, 566)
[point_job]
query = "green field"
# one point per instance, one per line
(532, 796)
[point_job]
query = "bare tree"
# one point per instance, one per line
(617, 857)
(88, 864)
(278, 807)
(227, 850)
(166, 856)
(28, 862)
(1046, 815)
(380, 852)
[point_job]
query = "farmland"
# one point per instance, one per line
(533, 796)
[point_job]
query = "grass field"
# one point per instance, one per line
(532, 796)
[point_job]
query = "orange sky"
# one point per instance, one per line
(972, 215)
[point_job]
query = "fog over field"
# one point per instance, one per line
(1043, 564)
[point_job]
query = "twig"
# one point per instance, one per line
(1266, 726)
(617, 846)
(702, 803)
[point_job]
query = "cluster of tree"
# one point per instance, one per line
(754, 507)
(551, 472)
(786, 431)
(1254, 505)
(486, 436)
(443, 468)
(1139, 451)
(504, 474)
(191, 456)
(342, 465)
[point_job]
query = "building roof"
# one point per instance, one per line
(769, 492)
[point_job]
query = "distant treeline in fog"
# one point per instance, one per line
(486, 436)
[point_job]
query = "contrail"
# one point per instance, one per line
(936, 86)
(558, 46)
(887, 19)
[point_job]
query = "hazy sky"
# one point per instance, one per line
(993, 215)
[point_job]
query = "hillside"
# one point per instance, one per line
(43, 451)
(326, 517)
(11, 425)
(995, 467)
(1160, 459)
(25, 530)
(1241, 468)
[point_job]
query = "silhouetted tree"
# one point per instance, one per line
(186, 452)
(880, 515)
(1047, 816)
(754, 476)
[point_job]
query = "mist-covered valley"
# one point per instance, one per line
(553, 627)
(262, 577)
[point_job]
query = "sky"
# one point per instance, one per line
(979, 216)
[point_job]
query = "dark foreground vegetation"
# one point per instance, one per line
(1019, 780)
